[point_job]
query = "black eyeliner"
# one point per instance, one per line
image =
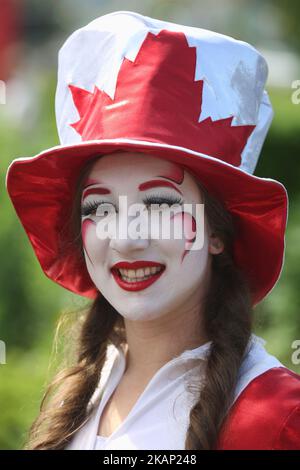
(90, 206)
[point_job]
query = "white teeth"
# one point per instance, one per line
(134, 275)
(129, 273)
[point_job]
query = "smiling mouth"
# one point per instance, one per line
(137, 279)
(138, 275)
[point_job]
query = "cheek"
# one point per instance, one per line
(187, 223)
(87, 227)
(93, 246)
(189, 227)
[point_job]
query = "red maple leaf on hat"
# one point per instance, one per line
(157, 99)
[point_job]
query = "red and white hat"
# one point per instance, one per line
(192, 96)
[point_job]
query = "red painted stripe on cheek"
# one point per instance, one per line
(86, 224)
(189, 227)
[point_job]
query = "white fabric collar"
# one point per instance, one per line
(257, 361)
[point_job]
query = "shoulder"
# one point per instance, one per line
(266, 415)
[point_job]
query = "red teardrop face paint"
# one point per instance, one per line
(178, 272)
(189, 229)
(84, 229)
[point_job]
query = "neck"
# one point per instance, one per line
(153, 343)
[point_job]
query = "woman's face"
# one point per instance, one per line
(178, 276)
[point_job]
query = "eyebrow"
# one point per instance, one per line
(155, 183)
(88, 191)
(142, 187)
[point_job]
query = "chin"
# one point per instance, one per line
(136, 315)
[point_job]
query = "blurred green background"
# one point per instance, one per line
(30, 304)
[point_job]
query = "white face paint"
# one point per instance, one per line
(184, 276)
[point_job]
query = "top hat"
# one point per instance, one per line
(192, 96)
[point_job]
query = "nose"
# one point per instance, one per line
(128, 245)
(129, 236)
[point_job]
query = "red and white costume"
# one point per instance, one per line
(196, 98)
(265, 413)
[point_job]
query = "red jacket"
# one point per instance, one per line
(266, 415)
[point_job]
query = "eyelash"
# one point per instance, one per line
(90, 206)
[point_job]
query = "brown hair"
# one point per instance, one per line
(227, 315)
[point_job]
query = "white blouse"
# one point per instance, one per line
(100, 442)
(160, 417)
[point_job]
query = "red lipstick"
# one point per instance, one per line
(136, 264)
(138, 285)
